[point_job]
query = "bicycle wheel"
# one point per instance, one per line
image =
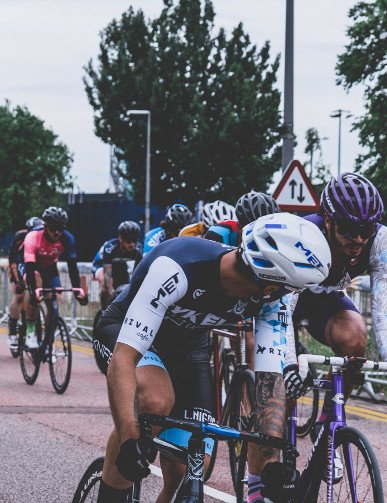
(29, 358)
(100, 364)
(88, 487)
(240, 416)
(307, 405)
(60, 356)
(360, 471)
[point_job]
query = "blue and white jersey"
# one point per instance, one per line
(153, 238)
(176, 296)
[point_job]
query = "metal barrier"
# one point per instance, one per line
(79, 318)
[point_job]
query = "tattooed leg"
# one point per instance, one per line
(269, 410)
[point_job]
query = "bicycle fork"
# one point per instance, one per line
(191, 487)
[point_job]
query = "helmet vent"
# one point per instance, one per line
(263, 263)
(303, 265)
(253, 246)
(271, 242)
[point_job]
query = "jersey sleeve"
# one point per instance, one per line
(30, 242)
(378, 276)
(270, 336)
(164, 284)
(69, 245)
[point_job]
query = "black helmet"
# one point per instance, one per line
(253, 205)
(129, 231)
(54, 215)
(33, 222)
(178, 216)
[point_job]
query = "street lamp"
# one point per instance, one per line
(337, 114)
(147, 172)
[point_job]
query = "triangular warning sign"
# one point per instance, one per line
(295, 192)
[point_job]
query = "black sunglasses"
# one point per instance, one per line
(55, 228)
(352, 231)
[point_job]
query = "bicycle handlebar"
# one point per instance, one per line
(58, 290)
(364, 364)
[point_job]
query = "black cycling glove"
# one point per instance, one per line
(132, 462)
(279, 487)
(294, 385)
(83, 301)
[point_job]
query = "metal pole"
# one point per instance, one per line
(287, 129)
(147, 180)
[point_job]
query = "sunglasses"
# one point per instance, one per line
(55, 228)
(352, 231)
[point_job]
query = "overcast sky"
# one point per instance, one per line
(44, 45)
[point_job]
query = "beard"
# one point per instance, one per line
(351, 249)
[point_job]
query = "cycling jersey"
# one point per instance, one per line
(226, 232)
(111, 253)
(153, 238)
(321, 301)
(42, 255)
(16, 269)
(198, 229)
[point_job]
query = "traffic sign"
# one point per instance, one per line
(295, 192)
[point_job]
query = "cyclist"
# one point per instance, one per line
(212, 214)
(177, 217)
(16, 271)
(158, 327)
(349, 218)
(248, 208)
(42, 249)
(117, 252)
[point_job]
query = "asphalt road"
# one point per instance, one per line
(48, 440)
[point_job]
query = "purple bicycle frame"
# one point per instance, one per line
(323, 448)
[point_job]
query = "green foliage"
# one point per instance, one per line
(34, 167)
(213, 103)
(364, 61)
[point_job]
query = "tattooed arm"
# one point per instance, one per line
(269, 413)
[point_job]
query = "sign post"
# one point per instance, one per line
(295, 191)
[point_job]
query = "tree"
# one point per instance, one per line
(214, 106)
(34, 166)
(364, 62)
(319, 173)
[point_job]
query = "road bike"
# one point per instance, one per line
(342, 466)
(54, 343)
(190, 489)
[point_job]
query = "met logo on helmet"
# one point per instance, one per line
(328, 202)
(311, 257)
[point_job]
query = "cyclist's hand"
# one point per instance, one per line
(294, 385)
(132, 461)
(83, 301)
(20, 287)
(279, 487)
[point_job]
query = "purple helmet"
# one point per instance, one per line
(353, 198)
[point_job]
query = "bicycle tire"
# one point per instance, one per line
(241, 486)
(240, 416)
(100, 364)
(29, 358)
(308, 404)
(88, 487)
(365, 468)
(60, 356)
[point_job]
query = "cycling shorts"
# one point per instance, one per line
(189, 372)
(48, 281)
(317, 308)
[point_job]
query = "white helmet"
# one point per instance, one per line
(286, 249)
(207, 216)
(222, 211)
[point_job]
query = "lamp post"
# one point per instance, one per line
(337, 114)
(147, 170)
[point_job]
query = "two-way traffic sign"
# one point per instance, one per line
(295, 192)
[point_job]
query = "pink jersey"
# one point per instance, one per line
(38, 249)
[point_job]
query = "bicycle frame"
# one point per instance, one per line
(323, 450)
